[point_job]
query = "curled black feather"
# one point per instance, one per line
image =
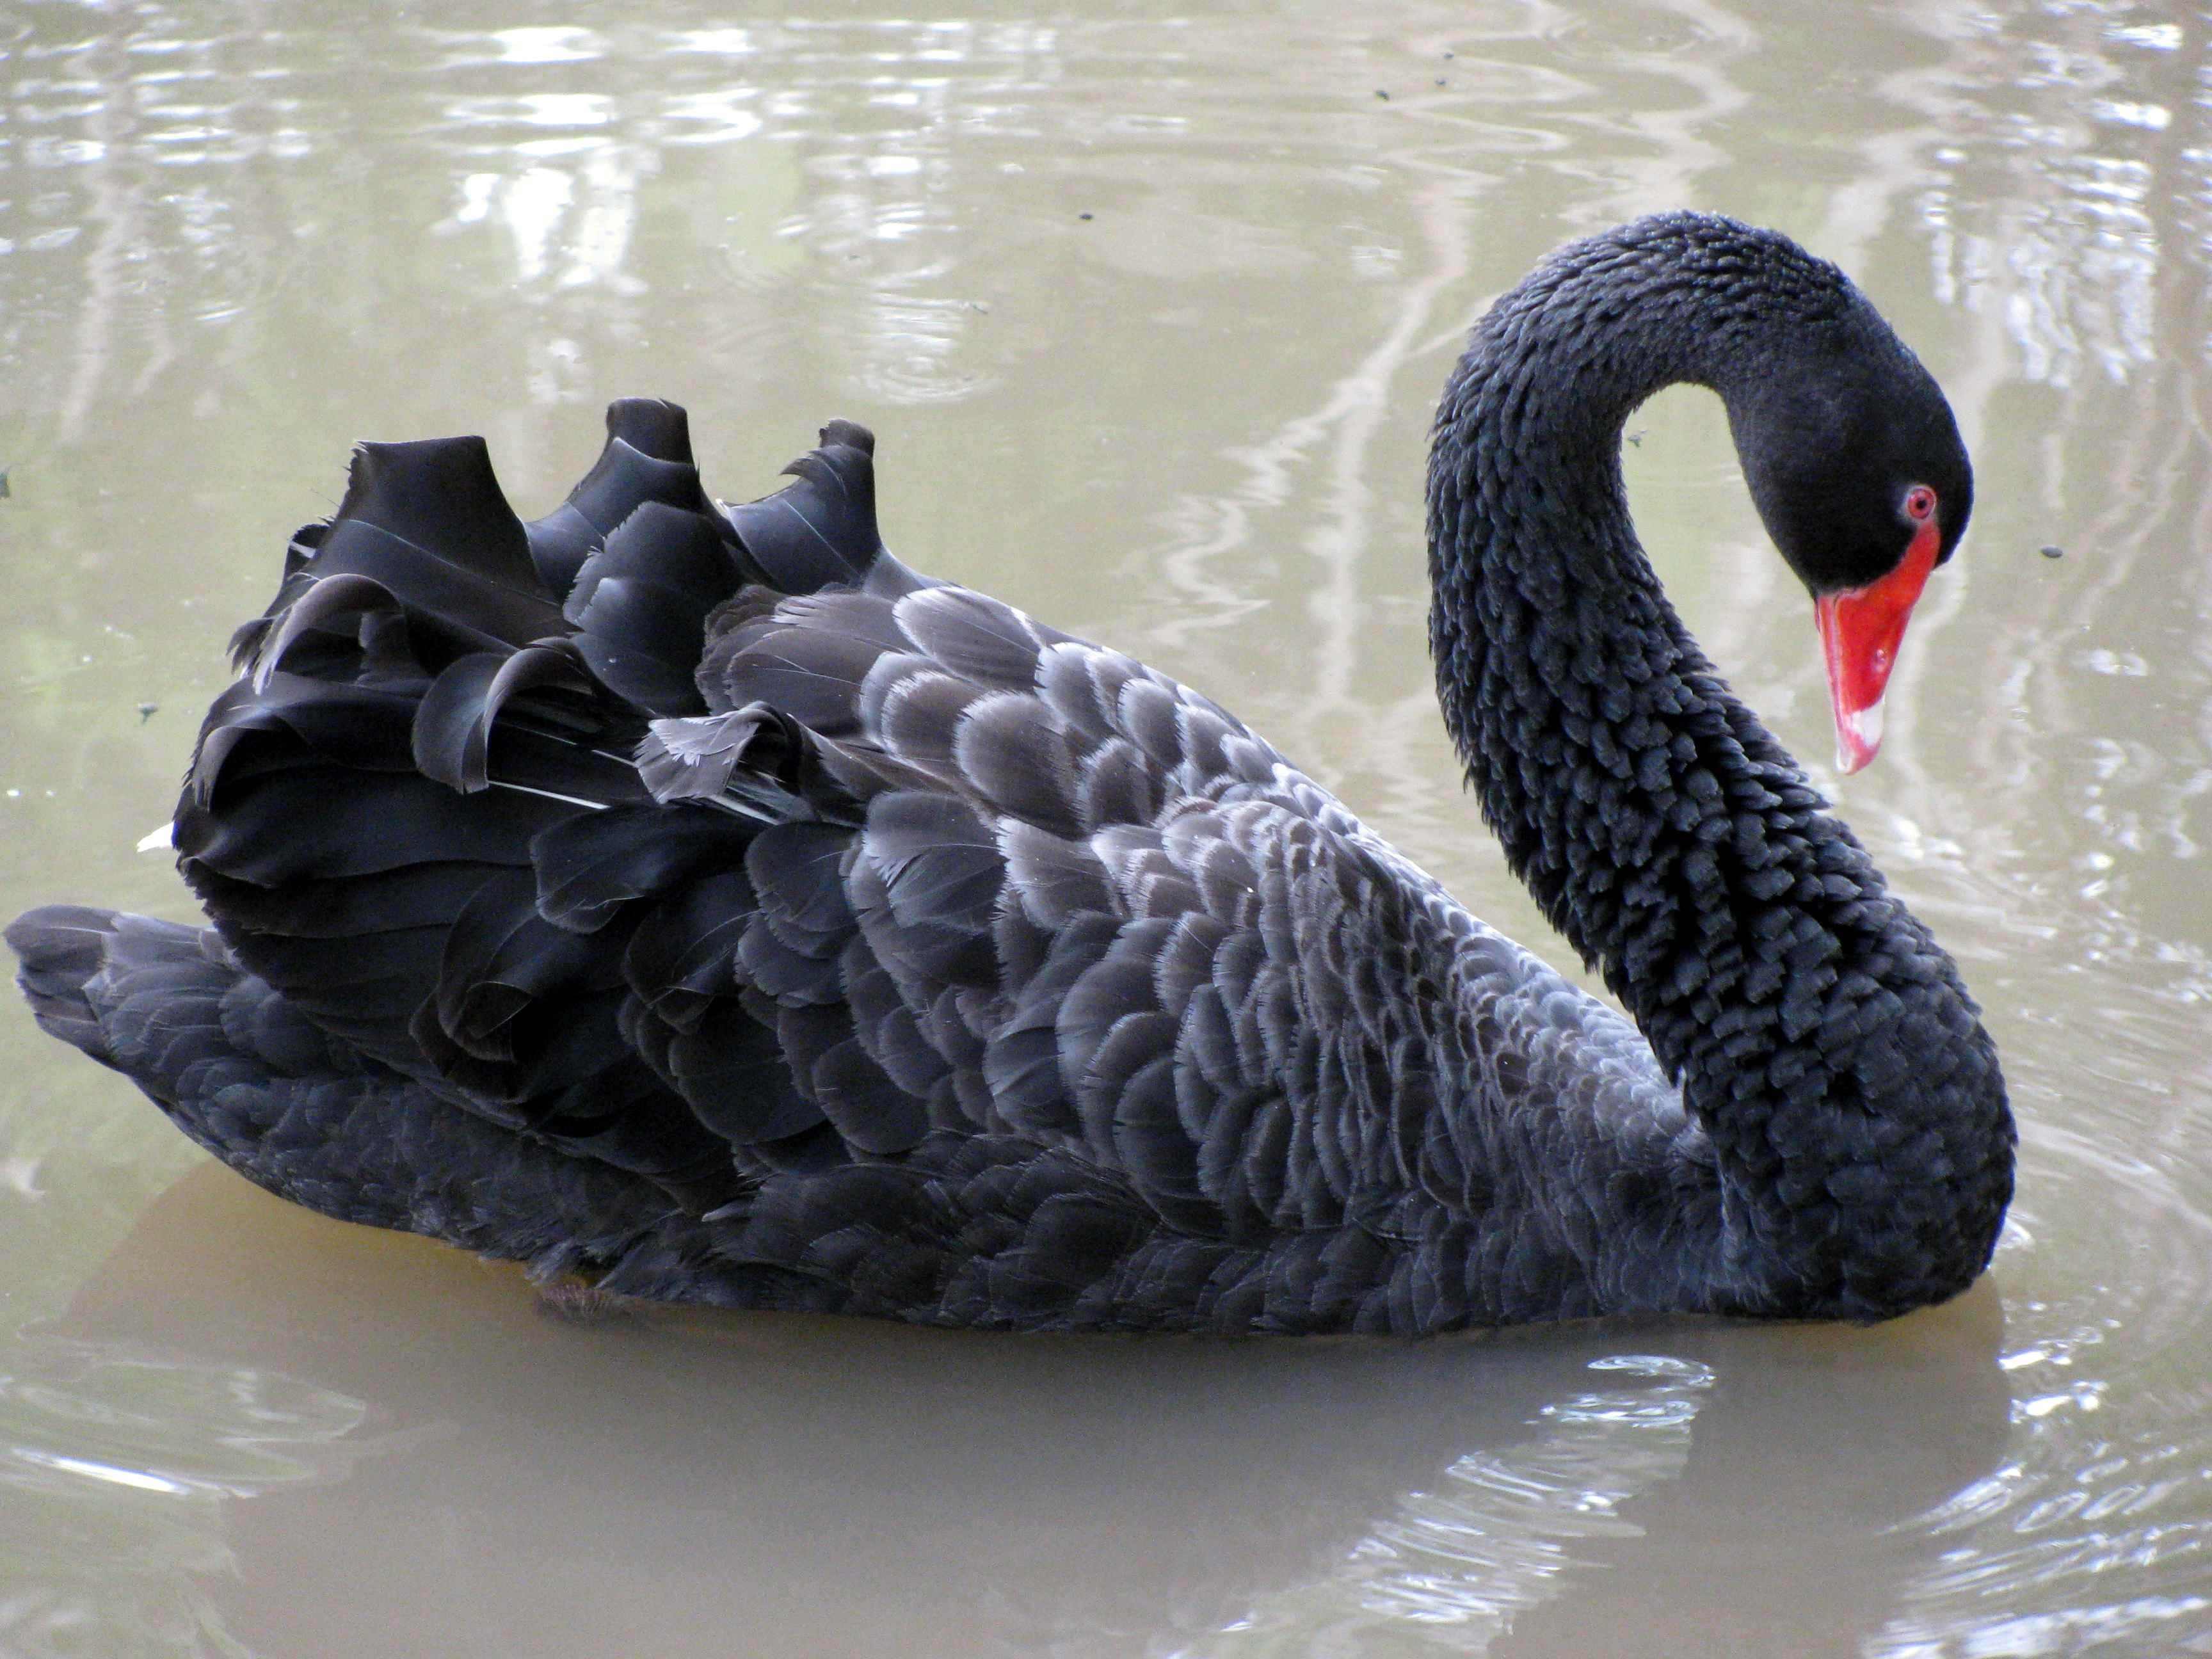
(591, 863)
(452, 737)
(821, 531)
(648, 458)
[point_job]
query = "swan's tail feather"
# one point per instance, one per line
(167, 1005)
(239, 1069)
(58, 947)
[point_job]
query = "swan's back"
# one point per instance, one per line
(886, 950)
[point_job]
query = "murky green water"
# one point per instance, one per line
(1149, 311)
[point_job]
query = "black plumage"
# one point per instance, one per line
(700, 901)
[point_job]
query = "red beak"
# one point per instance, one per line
(1860, 631)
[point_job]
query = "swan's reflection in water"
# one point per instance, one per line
(362, 1444)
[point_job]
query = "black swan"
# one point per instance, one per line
(697, 901)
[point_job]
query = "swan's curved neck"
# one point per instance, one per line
(1602, 746)
(1813, 1025)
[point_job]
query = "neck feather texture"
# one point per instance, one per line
(1820, 1036)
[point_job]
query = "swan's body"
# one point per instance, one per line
(698, 900)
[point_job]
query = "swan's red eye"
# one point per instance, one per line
(1920, 503)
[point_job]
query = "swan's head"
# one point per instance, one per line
(1858, 472)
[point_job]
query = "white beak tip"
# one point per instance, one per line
(1858, 738)
(162, 839)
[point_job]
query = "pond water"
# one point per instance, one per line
(1149, 308)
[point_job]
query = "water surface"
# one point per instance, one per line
(1149, 308)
